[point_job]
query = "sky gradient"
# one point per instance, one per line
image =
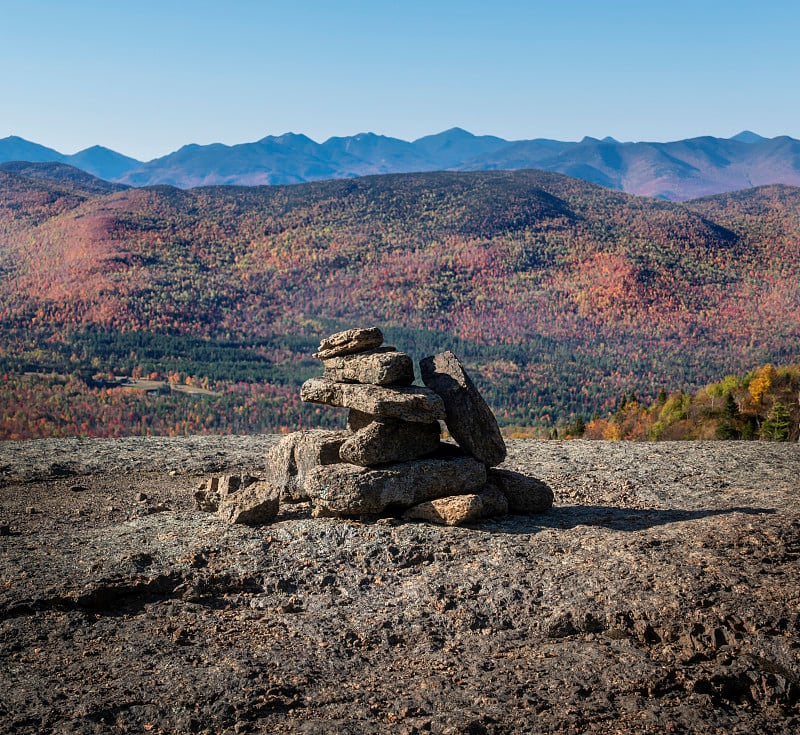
(145, 78)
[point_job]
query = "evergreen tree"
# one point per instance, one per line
(726, 429)
(778, 423)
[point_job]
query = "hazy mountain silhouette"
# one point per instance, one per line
(677, 170)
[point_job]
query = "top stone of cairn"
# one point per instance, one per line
(349, 342)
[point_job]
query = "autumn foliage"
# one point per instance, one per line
(560, 295)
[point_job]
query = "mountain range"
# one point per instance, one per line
(677, 170)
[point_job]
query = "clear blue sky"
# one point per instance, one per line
(146, 77)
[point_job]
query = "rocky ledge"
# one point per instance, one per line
(659, 594)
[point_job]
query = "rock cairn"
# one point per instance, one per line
(390, 458)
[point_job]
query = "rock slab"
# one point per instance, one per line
(382, 442)
(347, 490)
(408, 403)
(348, 342)
(468, 417)
(456, 510)
(375, 367)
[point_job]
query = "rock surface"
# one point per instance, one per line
(457, 510)
(381, 442)
(377, 368)
(404, 403)
(524, 494)
(348, 342)
(469, 419)
(659, 594)
(347, 490)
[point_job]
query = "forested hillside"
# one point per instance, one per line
(560, 295)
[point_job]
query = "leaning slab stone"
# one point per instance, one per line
(251, 504)
(406, 403)
(382, 442)
(524, 494)
(296, 454)
(348, 342)
(456, 510)
(377, 368)
(469, 419)
(348, 490)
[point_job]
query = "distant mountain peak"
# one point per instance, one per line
(748, 136)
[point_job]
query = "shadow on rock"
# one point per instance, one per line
(615, 518)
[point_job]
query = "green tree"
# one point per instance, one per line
(778, 423)
(726, 429)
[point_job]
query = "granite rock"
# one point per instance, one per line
(357, 420)
(211, 493)
(456, 510)
(382, 442)
(296, 454)
(374, 367)
(407, 403)
(348, 342)
(251, 504)
(349, 490)
(469, 419)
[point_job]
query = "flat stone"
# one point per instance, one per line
(525, 494)
(376, 367)
(469, 419)
(251, 504)
(382, 442)
(407, 403)
(456, 510)
(296, 454)
(348, 490)
(349, 342)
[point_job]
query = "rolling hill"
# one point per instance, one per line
(560, 294)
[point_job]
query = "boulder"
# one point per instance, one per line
(382, 442)
(469, 419)
(349, 490)
(214, 489)
(375, 367)
(296, 454)
(408, 403)
(349, 342)
(524, 494)
(251, 504)
(456, 510)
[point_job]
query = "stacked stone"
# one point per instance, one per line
(390, 457)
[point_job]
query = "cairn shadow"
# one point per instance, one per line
(612, 517)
